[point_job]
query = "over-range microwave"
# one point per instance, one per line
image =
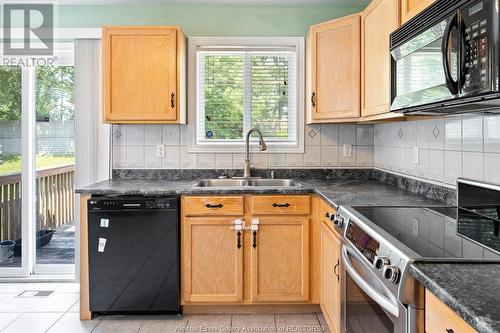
(447, 59)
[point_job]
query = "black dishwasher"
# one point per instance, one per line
(133, 254)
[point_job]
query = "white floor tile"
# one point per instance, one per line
(119, 324)
(32, 323)
(17, 304)
(7, 318)
(68, 288)
(57, 302)
(70, 323)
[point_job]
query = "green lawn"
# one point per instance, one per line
(12, 163)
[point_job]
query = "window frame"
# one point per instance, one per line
(242, 42)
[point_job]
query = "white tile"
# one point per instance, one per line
(452, 166)
(277, 160)
(238, 160)
(153, 134)
(472, 164)
(56, 302)
(71, 323)
(135, 156)
(187, 160)
(33, 323)
(400, 155)
(164, 324)
(135, 134)
(423, 167)
(172, 157)
(436, 162)
(150, 159)
(329, 156)
(223, 161)
(377, 136)
(492, 134)
(423, 134)
(75, 307)
(347, 161)
(7, 318)
(398, 134)
(294, 160)
(119, 156)
(171, 135)
(259, 160)
(472, 133)
(364, 156)
(410, 134)
(436, 134)
(68, 287)
(12, 303)
(347, 134)
(206, 161)
(329, 135)
(364, 135)
(491, 168)
(312, 156)
(119, 324)
(184, 134)
(453, 133)
(119, 134)
(313, 135)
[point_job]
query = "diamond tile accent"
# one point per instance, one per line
(117, 134)
(365, 133)
(376, 133)
(312, 133)
(435, 132)
(400, 133)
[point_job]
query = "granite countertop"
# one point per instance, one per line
(472, 290)
(336, 191)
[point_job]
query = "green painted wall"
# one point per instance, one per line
(206, 20)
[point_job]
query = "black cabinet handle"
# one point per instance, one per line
(327, 215)
(449, 330)
(335, 270)
(281, 205)
(254, 243)
(313, 99)
(214, 206)
(238, 245)
(172, 98)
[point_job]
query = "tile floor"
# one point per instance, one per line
(58, 313)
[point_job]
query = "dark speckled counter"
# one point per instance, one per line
(472, 290)
(336, 191)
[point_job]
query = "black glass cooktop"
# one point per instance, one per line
(442, 232)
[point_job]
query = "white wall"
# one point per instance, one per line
(459, 146)
(134, 146)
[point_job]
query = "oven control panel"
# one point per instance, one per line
(362, 241)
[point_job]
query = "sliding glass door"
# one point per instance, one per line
(37, 133)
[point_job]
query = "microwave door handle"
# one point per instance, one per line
(445, 48)
(386, 304)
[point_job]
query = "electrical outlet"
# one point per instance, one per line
(160, 151)
(347, 151)
(415, 155)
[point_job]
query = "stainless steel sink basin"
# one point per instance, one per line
(232, 182)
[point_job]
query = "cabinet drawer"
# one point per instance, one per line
(440, 318)
(281, 204)
(213, 205)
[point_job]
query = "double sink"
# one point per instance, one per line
(253, 182)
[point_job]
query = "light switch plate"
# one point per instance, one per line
(415, 155)
(347, 151)
(160, 151)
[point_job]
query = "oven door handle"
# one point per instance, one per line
(386, 304)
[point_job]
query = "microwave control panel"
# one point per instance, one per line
(476, 48)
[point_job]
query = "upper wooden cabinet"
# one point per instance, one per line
(333, 71)
(410, 8)
(143, 75)
(378, 21)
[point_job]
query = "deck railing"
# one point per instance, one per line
(54, 200)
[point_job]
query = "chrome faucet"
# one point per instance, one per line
(262, 147)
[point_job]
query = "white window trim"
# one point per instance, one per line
(273, 147)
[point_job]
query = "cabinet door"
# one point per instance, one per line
(212, 261)
(410, 8)
(378, 21)
(140, 74)
(334, 70)
(330, 278)
(280, 260)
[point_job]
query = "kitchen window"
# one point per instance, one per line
(243, 83)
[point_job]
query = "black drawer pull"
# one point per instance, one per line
(449, 330)
(238, 245)
(281, 205)
(214, 206)
(254, 239)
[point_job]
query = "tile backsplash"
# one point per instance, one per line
(134, 146)
(441, 149)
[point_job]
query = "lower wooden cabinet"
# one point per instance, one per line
(330, 278)
(212, 261)
(280, 260)
(440, 318)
